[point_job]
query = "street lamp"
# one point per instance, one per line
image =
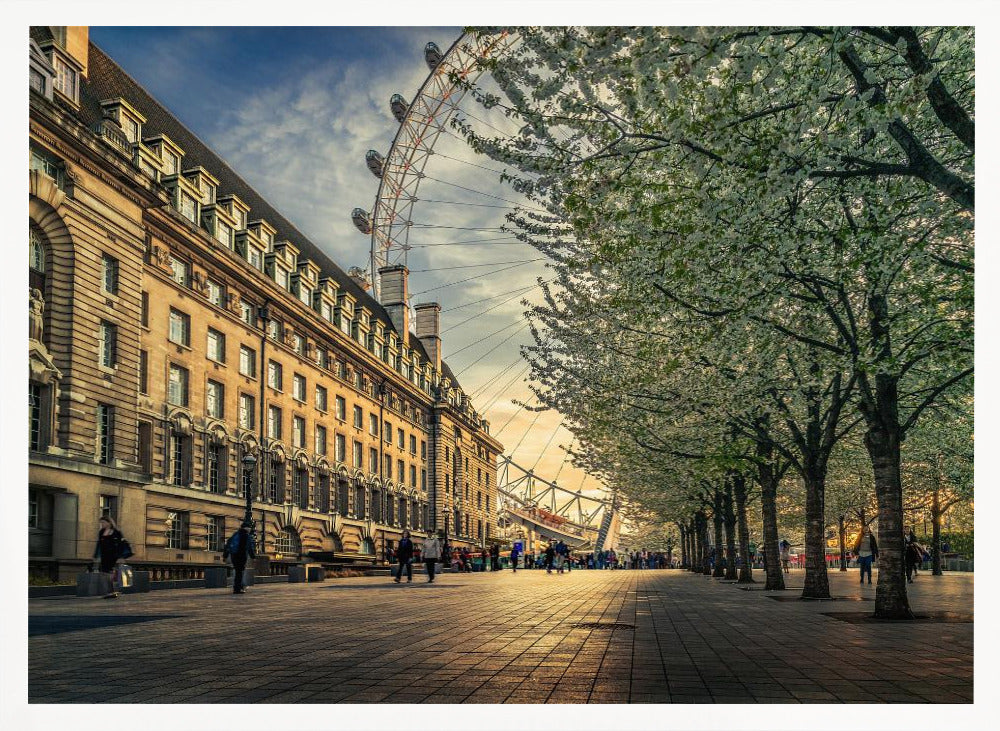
(249, 469)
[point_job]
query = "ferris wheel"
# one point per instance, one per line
(421, 124)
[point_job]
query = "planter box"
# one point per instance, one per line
(297, 575)
(315, 572)
(217, 577)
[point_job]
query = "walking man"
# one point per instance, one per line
(495, 557)
(239, 546)
(404, 554)
(867, 550)
(550, 557)
(513, 558)
(432, 552)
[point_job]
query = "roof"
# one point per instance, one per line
(107, 80)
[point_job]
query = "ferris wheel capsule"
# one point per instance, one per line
(432, 55)
(360, 218)
(374, 162)
(399, 107)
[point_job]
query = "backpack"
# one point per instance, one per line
(233, 544)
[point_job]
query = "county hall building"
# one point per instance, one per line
(177, 322)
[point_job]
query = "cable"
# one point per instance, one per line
(488, 309)
(487, 299)
(485, 337)
(503, 389)
(546, 447)
(455, 228)
(494, 378)
(492, 349)
(509, 420)
(537, 415)
(471, 266)
(469, 279)
(473, 190)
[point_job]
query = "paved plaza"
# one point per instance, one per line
(583, 637)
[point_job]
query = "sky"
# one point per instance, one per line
(293, 111)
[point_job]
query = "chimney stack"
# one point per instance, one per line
(429, 331)
(394, 298)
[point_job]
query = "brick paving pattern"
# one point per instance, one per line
(502, 638)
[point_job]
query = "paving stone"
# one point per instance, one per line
(502, 638)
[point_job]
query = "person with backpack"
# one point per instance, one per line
(239, 546)
(111, 546)
(432, 551)
(513, 558)
(404, 555)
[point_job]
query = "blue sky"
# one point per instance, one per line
(293, 111)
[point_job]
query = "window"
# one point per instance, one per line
(423, 480)
(281, 277)
(387, 431)
(216, 346)
(177, 530)
(247, 411)
(109, 344)
(373, 424)
(213, 533)
(400, 439)
(35, 423)
(341, 408)
(171, 162)
(487, 503)
(340, 443)
(373, 460)
(215, 400)
(413, 445)
(274, 375)
(180, 328)
(274, 329)
(36, 259)
(241, 218)
(400, 472)
(65, 80)
(299, 344)
(45, 163)
(108, 506)
(299, 387)
(146, 446)
(323, 358)
(248, 313)
(216, 468)
(180, 459)
(143, 372)
(287, 542)
(413, 475)
(321, 402)
(248, 361)
(326, 311)
(323, 492)
(189, 207)
(487, 481)
(358, 380)
(177, 387)
(207, 192)
(276, 484)
(358, 417)
(320, 440)
(105, 433)
(273, 422)
(305, 295)
(387, 468)
(358, 454)
(36, 81)
(300, 488)
(342, 370)
(110, 274)
(224, 233)
(479, 500)
(298, 432)
(216, 293)
(253, 257)
(423, 449)
(180, 271)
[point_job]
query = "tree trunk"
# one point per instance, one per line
(842, 535)
(729, 520)
(702, 520)
(740, 492)
(936, 515)
(717, 570)
(817, 582)
(775, 579)
(683, 532)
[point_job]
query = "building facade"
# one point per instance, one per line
(178, 323)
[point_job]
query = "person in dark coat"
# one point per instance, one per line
(404, 554)
(108, 548)
(495, 557)
(239, 546)
(550, 557)
(914, 557)
(867, 550)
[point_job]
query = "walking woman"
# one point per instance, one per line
(404, 554)
(108, 549)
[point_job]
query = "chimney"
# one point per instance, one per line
(394, 299)
(429, 331)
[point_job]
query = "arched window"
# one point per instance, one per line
(36, 259)
(287, 542)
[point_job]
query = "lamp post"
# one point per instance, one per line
(249, 469)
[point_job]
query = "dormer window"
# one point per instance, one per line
(305, 295)
(281, 277)
(171, 164)
(241, 218)
(254, 257)
(67, 78)
(207, 192)
(224, 233)
(130, 128)
(188, 206)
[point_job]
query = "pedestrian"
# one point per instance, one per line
(914, 556)
(785, 551)
(239, 546)
(495, 557)
(432, 551)
(561, 552)
(109, 549)
(867, 550)
(550, 557)
(404, 554)
(513, 558)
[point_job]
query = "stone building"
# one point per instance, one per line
(178, 322)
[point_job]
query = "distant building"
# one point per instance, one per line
(178, 322)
